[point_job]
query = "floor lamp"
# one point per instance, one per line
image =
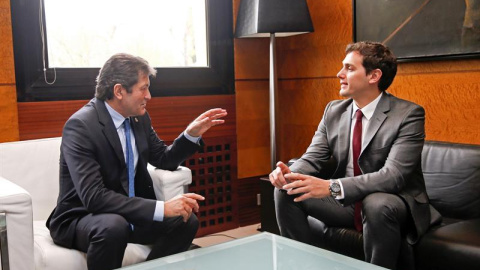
(271, 18)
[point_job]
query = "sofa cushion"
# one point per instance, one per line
(49, 256)
(454, 246)
(452, 174)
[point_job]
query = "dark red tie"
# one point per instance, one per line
(356, 149)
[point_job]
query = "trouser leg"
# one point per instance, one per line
(384, 217)
(292, 216)
(104, 238)
(168, 237)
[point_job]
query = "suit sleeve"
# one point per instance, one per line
(402, 160)
(318, 153)
(168, 157)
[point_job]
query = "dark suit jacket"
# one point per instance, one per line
(93, 174)
(390, 161)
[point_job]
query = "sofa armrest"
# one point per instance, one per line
(168, 184)
(16, 204)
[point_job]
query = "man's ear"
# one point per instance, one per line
(117, 91)
(375, 76)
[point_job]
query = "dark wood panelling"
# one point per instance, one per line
(38, 120)
(214, 173)
(248, 210)
(170, 116)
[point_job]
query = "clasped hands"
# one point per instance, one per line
(295, 183)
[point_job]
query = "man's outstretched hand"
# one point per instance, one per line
(205, 121)
(182, 205)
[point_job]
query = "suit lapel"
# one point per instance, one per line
(109, 129)
(344, 135)
(138, 133)
(143, 181)
(377, 119)
(110, 133)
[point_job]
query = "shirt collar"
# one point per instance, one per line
(369, 109)
(117, 118)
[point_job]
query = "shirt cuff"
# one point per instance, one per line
(159, 211)
(195, 140)
(342, 194)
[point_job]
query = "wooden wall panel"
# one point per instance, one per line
(9, 117)
(253, 132)
(318, 54)
(248, 209)
(450, 101)
(7, 70)
(303, 102)
(45, 119)
(170, 116)
(8, 102)
(251, 59)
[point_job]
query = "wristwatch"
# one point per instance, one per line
(335, 189)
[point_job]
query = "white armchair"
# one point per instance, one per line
(29, 184)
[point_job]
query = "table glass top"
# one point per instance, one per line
(263, 251)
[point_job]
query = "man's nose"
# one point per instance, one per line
(340, 74)
(148, 96)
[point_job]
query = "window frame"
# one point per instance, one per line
(79, 83)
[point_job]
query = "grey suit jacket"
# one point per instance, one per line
(93, 173)
(390, 161)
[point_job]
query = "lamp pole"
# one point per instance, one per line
(281, 18)
(272, 102)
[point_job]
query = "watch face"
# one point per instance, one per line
(335, 187)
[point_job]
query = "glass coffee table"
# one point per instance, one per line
(264, 251)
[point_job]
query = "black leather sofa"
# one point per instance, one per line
(452, 178)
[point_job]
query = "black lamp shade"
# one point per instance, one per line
(260, 18)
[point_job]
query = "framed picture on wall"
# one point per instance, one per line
(420, 29)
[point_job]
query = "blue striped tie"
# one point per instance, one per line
(130, 163)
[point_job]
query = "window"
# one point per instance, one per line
(176, 39)
(190, 42)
